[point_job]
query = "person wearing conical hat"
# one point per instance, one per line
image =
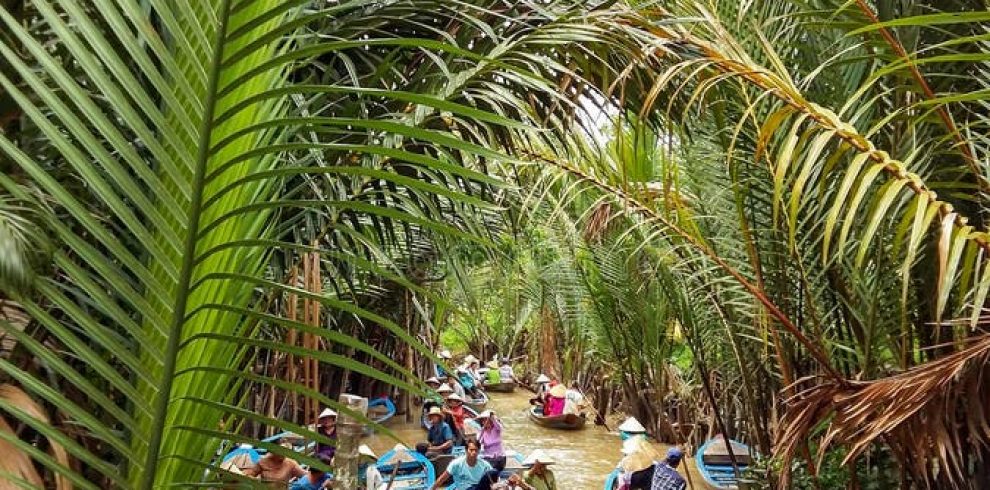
(538, 476)
(455, 408)
(326, 425)
(556, 398)
(444, 356)
(631, 428)
(372, 477)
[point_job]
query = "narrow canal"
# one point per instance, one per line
(584, 458)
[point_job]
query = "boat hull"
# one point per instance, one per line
(715, 466)
(508, 387)
(562, 422)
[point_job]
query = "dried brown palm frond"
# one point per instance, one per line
(597, 222)
(16, 465)
(933, 418)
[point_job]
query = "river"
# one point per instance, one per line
(584, 458)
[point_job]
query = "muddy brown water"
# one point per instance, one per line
(584, 458)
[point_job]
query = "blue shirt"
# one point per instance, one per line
(439, 434)
(465, 476)
(666, 478)
(303, 483)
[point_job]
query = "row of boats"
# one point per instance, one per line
(405, 468)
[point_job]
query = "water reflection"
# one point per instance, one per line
(584, 458)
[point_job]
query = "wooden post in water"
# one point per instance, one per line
(349, 430)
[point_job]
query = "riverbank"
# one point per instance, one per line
(584, 458)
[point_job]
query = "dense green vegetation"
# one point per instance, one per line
(217, 215)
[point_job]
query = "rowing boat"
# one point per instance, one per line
(568, 421)
(504, 387)
(406, 469)
(478, 404)
(715, 465)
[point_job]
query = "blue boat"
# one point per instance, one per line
(409, 469)
(251, 453)
(715, 465)
(381, 409)
(612, 480)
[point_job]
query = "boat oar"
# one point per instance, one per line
(598, 416)
(391, 478)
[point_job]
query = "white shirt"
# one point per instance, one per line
(506, 373)
(374, 478)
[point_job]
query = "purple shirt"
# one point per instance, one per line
(491, 441)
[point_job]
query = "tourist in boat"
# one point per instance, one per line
(538, 476)
(490, 438)
(445, 356)
(456, 387)
(467, 471)
(455, 408)
(555, 401)
(372, 477)
(471, 365)
(326, 425)
(468, 381)
(505, 372)
(661, 475)
(440, 436)
(573, 399)
(541, 392)
(493, 376)
(316, 479)
(632, 428)
(274, 467)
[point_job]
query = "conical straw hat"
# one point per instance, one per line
(538, 456)
(632, 425)
(558, 391)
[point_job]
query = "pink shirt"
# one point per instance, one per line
(555, 406)
(491, 441)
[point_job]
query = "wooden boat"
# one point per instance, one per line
(478, 404)
(380, 410)
(506, 387)
(564, 422)
(715, 465)
(406, 469)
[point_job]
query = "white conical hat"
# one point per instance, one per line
(632, 425)
(455, 396)
(433, 379)
(542, 379)
(470, 359)
(326, 413)
(445, 389)
(486, 414)
(538, 456)
(364, 450)
(559, 391)
(444, 354)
